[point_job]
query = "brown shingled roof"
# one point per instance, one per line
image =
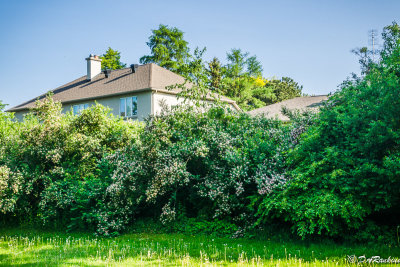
(303, 103)
(146, 77)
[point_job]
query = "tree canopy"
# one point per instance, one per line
(240, 79)
(214, 73)
(111, 60)
(168, 49)
(243, 82)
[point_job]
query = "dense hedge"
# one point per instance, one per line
(336, 173)
(95, 171)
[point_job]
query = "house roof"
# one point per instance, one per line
(303, 103)
(148, 77)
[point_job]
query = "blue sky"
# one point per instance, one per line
(43, 44)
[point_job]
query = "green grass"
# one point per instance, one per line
(27, 247)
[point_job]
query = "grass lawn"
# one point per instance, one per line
(27, 247)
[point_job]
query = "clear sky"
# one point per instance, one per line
(43, 44)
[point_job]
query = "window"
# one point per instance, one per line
(77, 109)
(128, 106)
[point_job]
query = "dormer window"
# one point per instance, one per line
(77, 109)
(128, 106)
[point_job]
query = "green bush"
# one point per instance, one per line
(203, 165)
(49, 164)
(100, 173)
(345, 170)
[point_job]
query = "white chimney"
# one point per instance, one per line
(93, 66)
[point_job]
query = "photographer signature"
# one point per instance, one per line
(373, 259)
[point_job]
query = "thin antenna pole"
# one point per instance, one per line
(373, 45)
(373, 34)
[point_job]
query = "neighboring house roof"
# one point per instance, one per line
(303, 103)
(148, 77)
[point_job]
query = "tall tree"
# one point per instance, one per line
(239, 63)
(254, 67)
(168, 49)
(112, 60)
(236, 63)
(215, 73)
(242, 81)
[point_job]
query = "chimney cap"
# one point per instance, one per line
(94, 57)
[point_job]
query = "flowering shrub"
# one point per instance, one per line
(10, 186)
(49, 163)
(98, 172)
(198, 165)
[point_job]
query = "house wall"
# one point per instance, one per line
(19, 115)
(168, 99)
(171, 100)
(148, 103)
(144, 102)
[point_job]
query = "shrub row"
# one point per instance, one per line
(335, 174)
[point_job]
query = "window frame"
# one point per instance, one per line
(123, 101)
(80, 108)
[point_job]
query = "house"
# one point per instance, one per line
(303, 103)
(134, 92)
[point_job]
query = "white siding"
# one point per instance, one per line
(171, 100)
(167, 99)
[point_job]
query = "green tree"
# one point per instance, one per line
(168, 49)
(236, 63)
(242, 81)
(391, 35)
(240, 64)
(285, 88)
(112, 60)
(215, 73)
(244, 90)
(345, 170)
(254, 67)
(363, 58)
(237, 83)
(196, 86)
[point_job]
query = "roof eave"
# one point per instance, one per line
(87, 98)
